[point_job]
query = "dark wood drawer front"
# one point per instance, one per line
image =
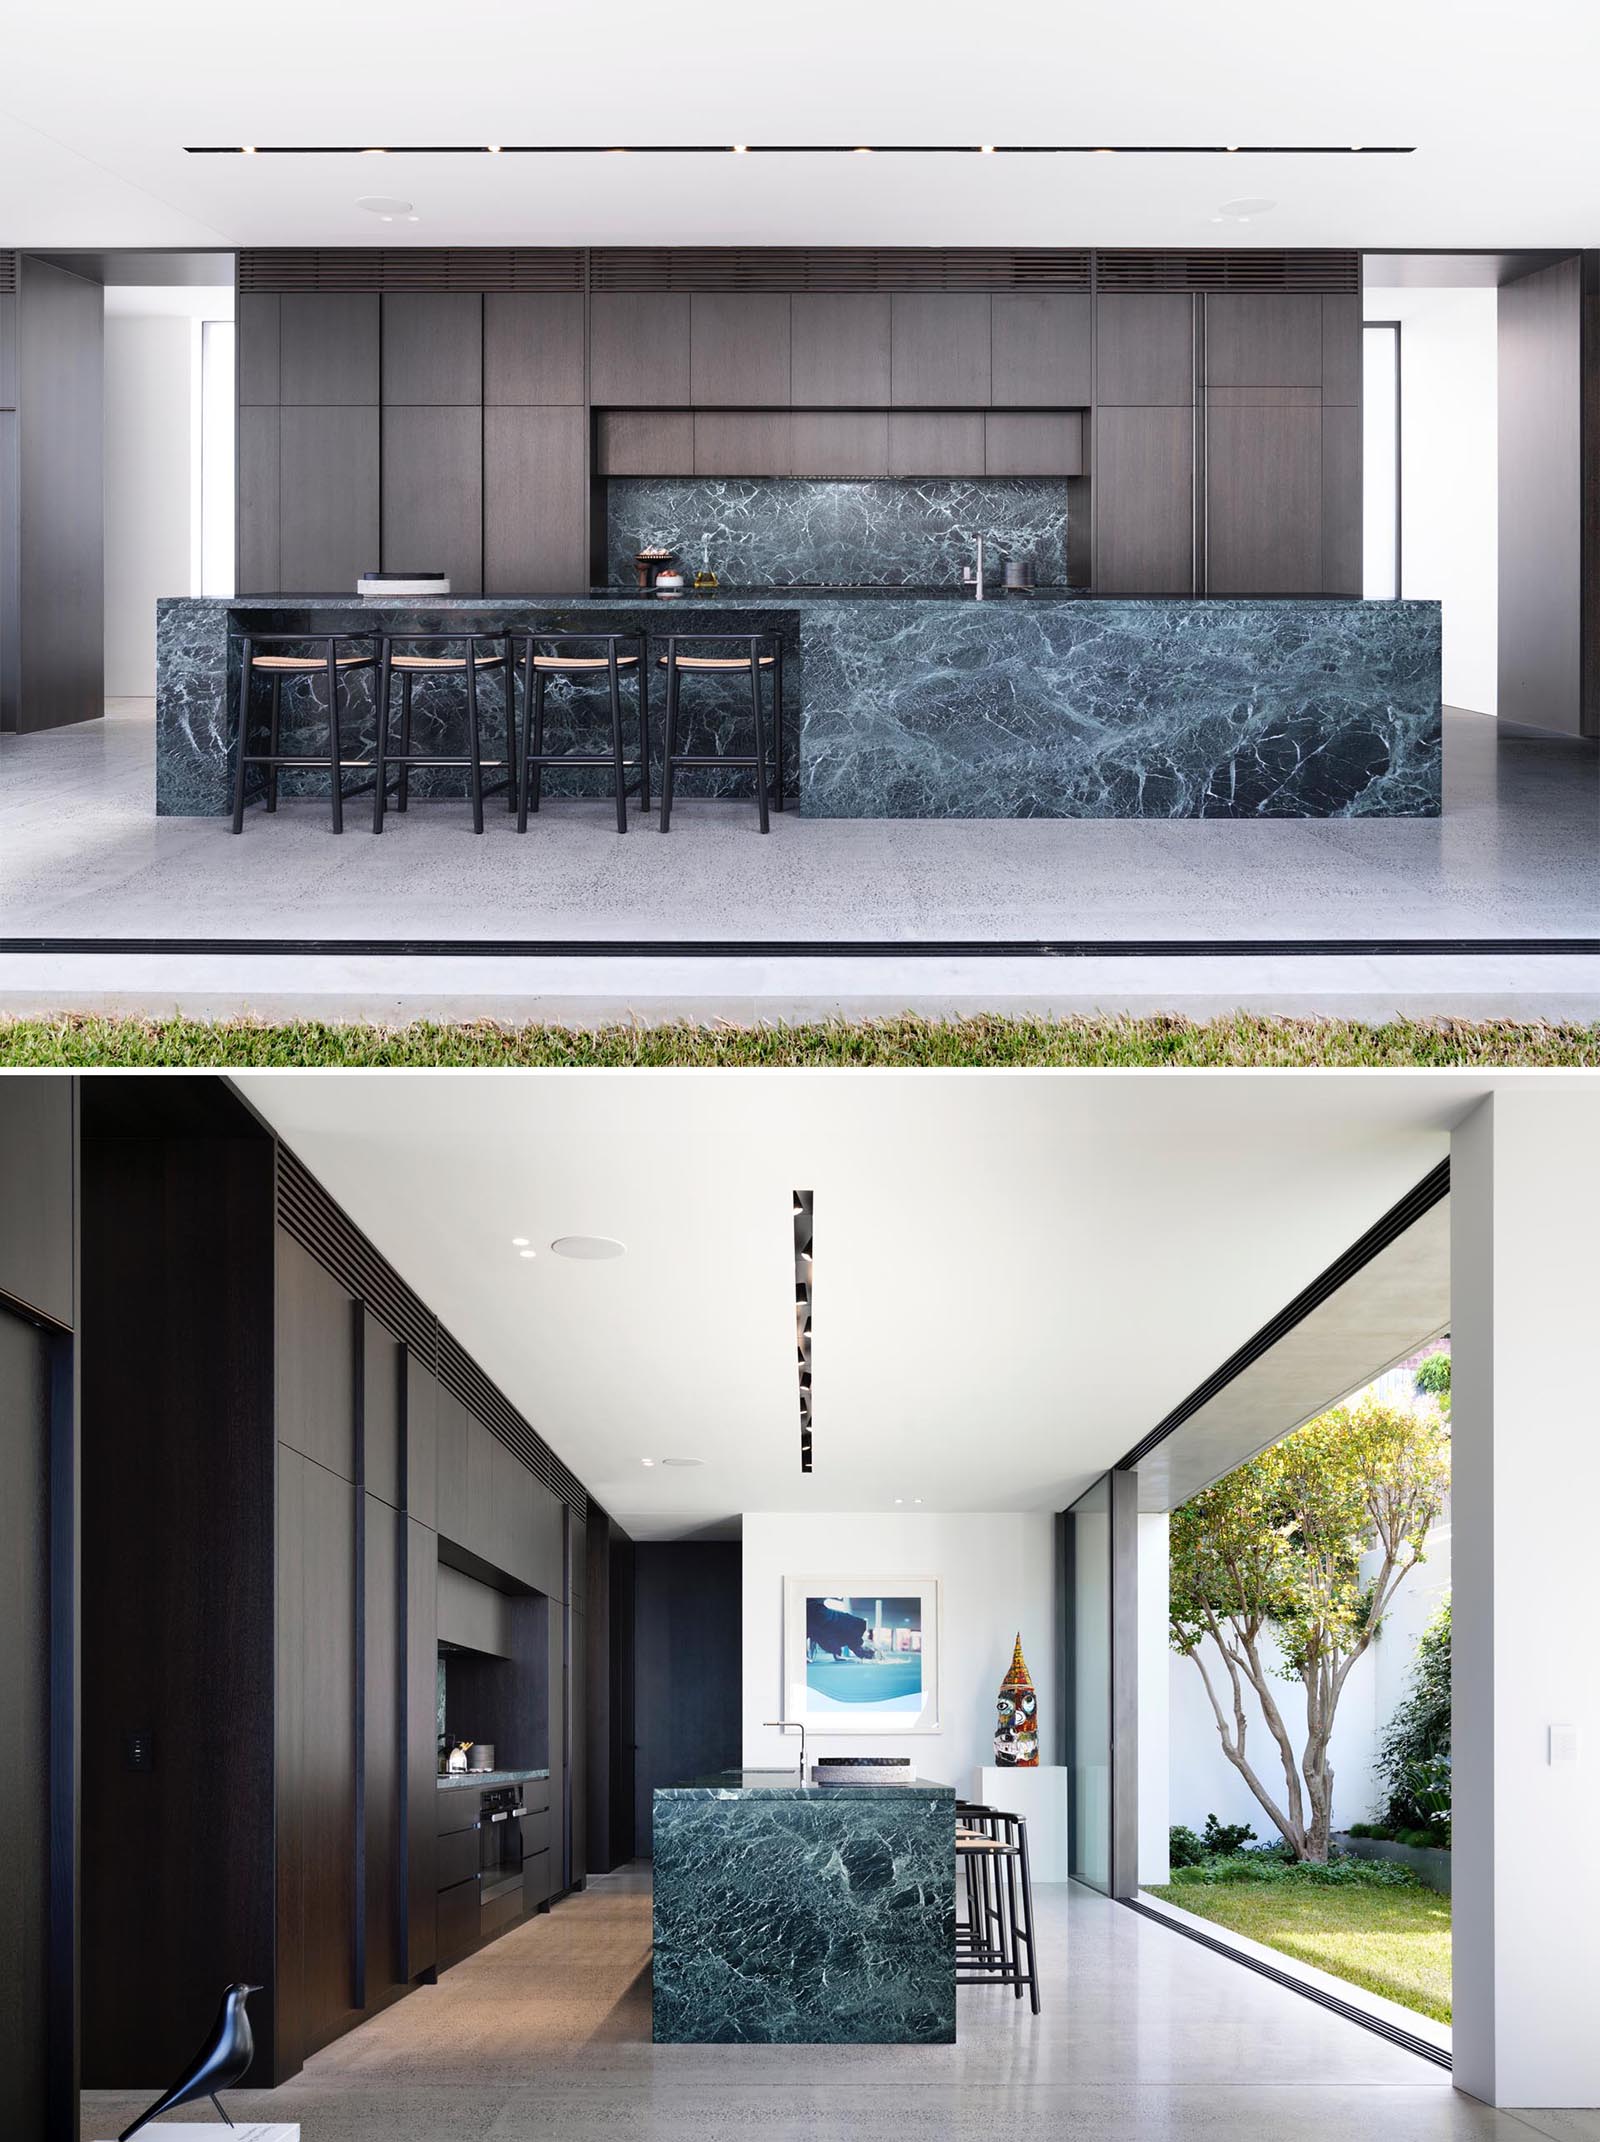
(458, 1808)
(536, 1795)
(458, 1920)
(536, 1831)
(458, 1858)
(501, 1911)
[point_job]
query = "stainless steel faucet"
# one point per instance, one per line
(792, 1725)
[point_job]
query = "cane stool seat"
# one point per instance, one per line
(305, 663)
(583, 662)
(715, 661)
(439, 661)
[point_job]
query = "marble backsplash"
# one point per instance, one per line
(780, 531)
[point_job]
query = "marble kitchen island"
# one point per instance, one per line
(904, 703)
(794, 1914)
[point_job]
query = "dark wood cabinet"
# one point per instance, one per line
(433, 493)
(1144, 501)
(1034, 442)
(382, 1954)
(639, 349)
(316, 1755)
(316, 1361)
(645, 442)
(939, 354)
(37, 1205)
(1144, 350)
(577, 1753)
(536, 1880)
(257, 451)
(1341, 352)
(533, 349)
(483, 1515)
(1264, 500)
(452, 1518)
(421, 1744)
(382, 1412)
(328, 344)
(1041, 351)
(458, 1921)
(736, 442)
(422, 1442)
(1341, 502)
(328, 498)
(946, 444)
(738, 350)
(544, 1565)
(432, 347)
(557, 1758)
(514, 1506)
(840, 344)
(533, 501)
(839, 442)
(1270, 338)
(258, 348)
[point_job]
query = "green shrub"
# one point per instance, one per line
(1226, 1837)
(1246, 1867)
(1184, 1848)
(1414, 1754)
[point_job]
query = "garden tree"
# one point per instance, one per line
(1275, 1548)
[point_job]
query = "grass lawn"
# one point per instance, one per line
(1167, 1043)
(1392, 1941)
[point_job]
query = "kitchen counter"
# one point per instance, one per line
(792, 1913)
(917, 703)
(489, 1777)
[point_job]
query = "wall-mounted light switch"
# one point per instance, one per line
(1563, 1744)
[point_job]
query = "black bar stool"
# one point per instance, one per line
(331, 664)
(762, 651)
(995, 1942)
(404, 652)
(570, 654)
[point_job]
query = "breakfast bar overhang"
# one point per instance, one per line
(927, 704)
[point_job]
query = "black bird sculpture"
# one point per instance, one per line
(217, 2066)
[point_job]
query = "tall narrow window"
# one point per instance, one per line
(1380, 429)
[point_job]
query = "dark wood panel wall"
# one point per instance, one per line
(39, 1609)
(1219, 431)
(608, 1690)
(1549, 525)
(52, 547)
(688, 1661)
(269, 1467)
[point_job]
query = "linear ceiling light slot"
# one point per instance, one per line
(802, 1317)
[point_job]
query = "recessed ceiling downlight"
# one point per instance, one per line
(384, 204)
(588, 1249)
(683, 1461)
(1242, 211)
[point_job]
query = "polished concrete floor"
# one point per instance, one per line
(545, 2037)
(82, 856)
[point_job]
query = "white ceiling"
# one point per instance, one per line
(98, 101)
(1017, 1275)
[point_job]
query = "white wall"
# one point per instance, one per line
(1525, 1276)
(997, 1578)
(149, 484)
(1449, 434)
(153, 467)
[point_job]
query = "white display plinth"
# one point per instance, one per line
(1040, 1798)
(214, 2131)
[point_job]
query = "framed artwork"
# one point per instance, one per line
(861, 1654)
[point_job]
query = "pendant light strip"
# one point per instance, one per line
(803, 148)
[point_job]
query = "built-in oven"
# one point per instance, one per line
(500, 1855)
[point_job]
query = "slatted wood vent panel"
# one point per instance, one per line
(400, 268)
(458, 1372)
(1253, 270)
(306, 1211)
(838, 268)
(8, 271)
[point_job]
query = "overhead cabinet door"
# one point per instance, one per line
(739, 351)
(328, 498)
(533, 348)
(840, 351)
(1041, 351)
(940, 350)
(1263, 339)
(1144, 350)
(328, 349)
(639, 349)
(433, 347)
